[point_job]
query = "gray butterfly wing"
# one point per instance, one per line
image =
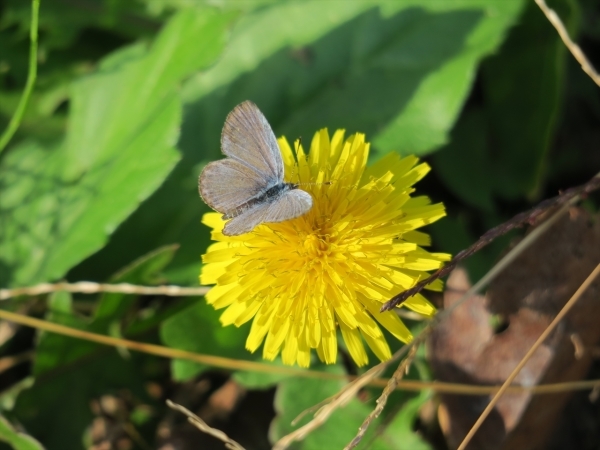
(247, 137)
(289, 205)
(227, 184)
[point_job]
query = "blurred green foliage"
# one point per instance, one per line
(100, 180)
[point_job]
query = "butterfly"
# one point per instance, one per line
(247, 187)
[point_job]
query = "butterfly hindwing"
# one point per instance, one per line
(288, 205)
(247, 221)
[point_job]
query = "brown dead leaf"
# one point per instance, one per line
(485, 338)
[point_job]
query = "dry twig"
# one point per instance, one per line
(89, 287)
(203, 426)
(572, 46)
(527, 217)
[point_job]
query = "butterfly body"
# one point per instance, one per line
(247, 186)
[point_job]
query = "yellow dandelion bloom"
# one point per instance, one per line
(301, 280)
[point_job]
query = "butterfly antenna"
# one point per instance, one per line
(326, 183)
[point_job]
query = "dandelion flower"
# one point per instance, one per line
(301, 280)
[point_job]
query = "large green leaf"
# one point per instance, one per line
(396, 70)
(58, 205)
(399, 71)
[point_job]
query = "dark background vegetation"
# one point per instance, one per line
(99, 183)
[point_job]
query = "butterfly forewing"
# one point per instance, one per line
(226, 184)
(248, 138)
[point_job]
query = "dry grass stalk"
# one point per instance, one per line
(203, 426)
(590, 279)
(572, 46)
(382, 400)
(238, 364)
(89, 287)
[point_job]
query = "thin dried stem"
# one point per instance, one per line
(203, 426)
(347, 393)
(157, 350)
(89, 287)
(572, 46)
(565, 309)
(235, 364)
(527, 217)
(382, 400)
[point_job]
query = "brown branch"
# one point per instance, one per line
(521, 219)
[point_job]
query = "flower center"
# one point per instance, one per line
(319, 244)
(315, 246)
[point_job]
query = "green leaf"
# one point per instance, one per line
(109, 108)
(59, 205)
(398, 71)
(523, 88)
(197, 329)
(464, 166)
(17, 440)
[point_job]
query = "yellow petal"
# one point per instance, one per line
(354, 344)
